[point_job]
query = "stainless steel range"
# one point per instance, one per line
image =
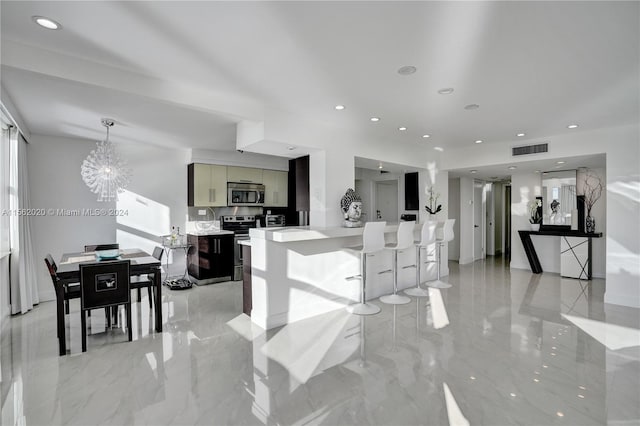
(240, 226)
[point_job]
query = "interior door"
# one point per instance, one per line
(387, 201)
(478, 220)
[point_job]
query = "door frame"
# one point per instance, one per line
(483, 218)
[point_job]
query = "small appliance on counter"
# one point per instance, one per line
(274, 220)
(408, 217)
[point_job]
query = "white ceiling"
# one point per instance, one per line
(501, 172)
(533, 67)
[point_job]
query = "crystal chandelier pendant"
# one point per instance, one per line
(104, 172)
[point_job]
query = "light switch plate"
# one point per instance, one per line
(202, 212)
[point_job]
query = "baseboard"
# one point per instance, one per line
(465, 260)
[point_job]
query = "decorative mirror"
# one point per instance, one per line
(559, 200)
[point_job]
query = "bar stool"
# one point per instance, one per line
(427, 238)
(372, 241)
(404, 241)
(447, 235)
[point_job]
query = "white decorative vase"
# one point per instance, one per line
(535, 227)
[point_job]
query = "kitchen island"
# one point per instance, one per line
(299, 272)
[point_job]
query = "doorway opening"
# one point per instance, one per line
(387, 201)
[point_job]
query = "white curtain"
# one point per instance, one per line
(24, 286)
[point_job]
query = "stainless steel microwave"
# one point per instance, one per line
(245, 194)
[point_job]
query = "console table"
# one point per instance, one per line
(575, 251)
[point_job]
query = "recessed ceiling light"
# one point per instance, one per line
(471, 107)
(438, 148)
(291, 148)
(479, 141)
(47, 23)
(402, 129)
(407, 70)
(473, 171)
(446, 91)
(339, 107)
(560, 162)
(520, 135)
(572, 126)
(380, 166)
(426, 136)
(537, 171)
(374, 119)
(512, 167)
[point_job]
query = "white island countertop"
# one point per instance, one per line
(210, 232)
(308, 233)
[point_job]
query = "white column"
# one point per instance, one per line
(331, 172)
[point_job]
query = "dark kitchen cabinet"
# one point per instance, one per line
(298, 189)
(210, 257)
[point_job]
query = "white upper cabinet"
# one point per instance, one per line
(208, 185)
(275, 188)
(244, 174)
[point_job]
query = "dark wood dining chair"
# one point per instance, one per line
(71, 291)
(98, 247)
(104, 284)
(138, 282)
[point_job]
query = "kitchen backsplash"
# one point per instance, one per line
(195, 215)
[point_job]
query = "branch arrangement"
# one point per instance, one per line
(592, 189)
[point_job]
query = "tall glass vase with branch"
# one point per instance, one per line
(592, 184)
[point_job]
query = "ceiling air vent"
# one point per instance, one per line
(530, 149)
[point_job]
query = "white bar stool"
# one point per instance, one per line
(404, 241)
(447, 235)
(372, 241)
(427, 238)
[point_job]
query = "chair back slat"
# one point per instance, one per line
(158, 252)
(53, 270)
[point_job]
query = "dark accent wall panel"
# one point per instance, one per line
(302, 184)
(411, 193)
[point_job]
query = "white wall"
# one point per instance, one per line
(490, 221)
(5, 308)
(54, 174)
(368, 178)
(235, 158)
(498, 198)
(527, 186)
(454, 213)
(466, 220)
(620, 144)
(332, 151)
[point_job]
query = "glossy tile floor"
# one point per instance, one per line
(499, 348)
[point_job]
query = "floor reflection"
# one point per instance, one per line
(499, 347)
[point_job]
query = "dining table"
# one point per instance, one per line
(141, 263)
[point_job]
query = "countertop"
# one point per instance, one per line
(210, 232)
(245, 242)
(308, 233)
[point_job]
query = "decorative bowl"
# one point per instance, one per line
(107, 254)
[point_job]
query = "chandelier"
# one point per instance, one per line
(104, 172)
